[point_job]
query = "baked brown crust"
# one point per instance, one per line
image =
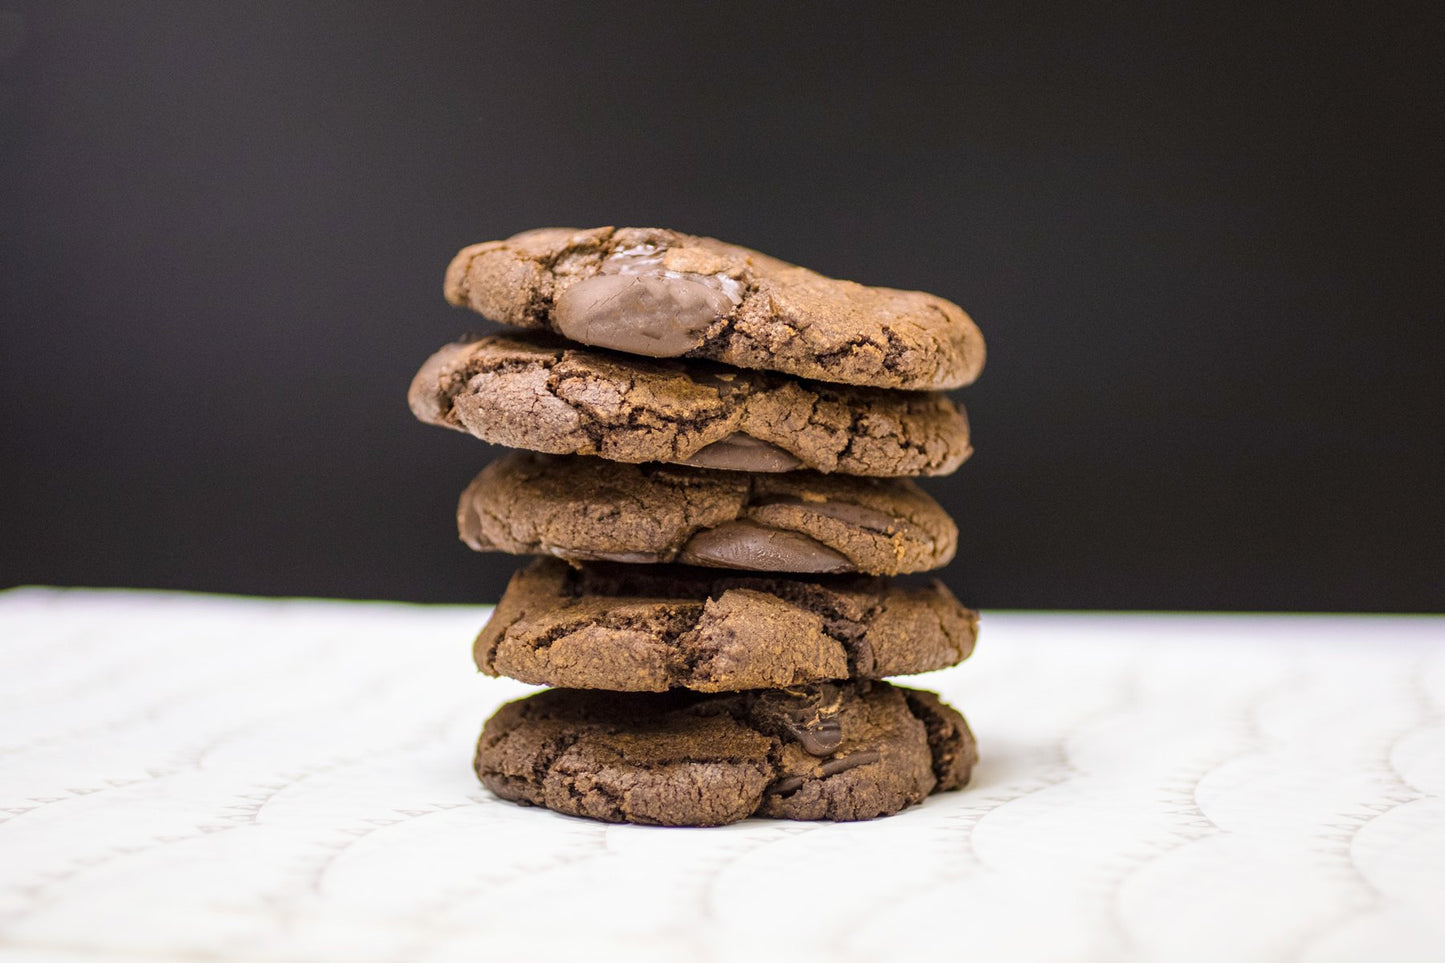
(534, 392)
(846, 752)
(587, 509)
(649, 629)
(755, 311)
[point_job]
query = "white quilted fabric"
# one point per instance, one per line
(205, 778)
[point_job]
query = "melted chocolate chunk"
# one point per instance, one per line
(791, 784)
(786, 785)
(660, 317)
(745, 544)
(820, 738)
(742, 452)
(808, 714)
(852, 761)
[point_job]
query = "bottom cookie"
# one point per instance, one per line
(841, 751)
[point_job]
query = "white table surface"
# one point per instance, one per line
(209, 778)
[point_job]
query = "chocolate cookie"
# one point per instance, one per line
(643, 629)
(663, 294)
(533, 392)
(588, 509)
(679, 759)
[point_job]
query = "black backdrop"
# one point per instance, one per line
(1205, 249)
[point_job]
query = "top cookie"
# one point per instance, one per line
(663, 294)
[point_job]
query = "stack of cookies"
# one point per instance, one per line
(713, 604)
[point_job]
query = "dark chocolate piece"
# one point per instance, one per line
(750, 545)
(808, 714)
(660, 317)
(742, 452)
(791, 784)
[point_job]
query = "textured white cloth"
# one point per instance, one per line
(193, 777)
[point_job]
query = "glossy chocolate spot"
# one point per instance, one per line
(661, 317)
(821, 737)
(852, 761)
(791, 784)
(808, 714)
(742, 452)
(745, 544)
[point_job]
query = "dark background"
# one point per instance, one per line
(1204, 248)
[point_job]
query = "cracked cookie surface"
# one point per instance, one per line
(587, 509)
(661, 293)
(534, 392)
(645, 629)
(844, 752)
